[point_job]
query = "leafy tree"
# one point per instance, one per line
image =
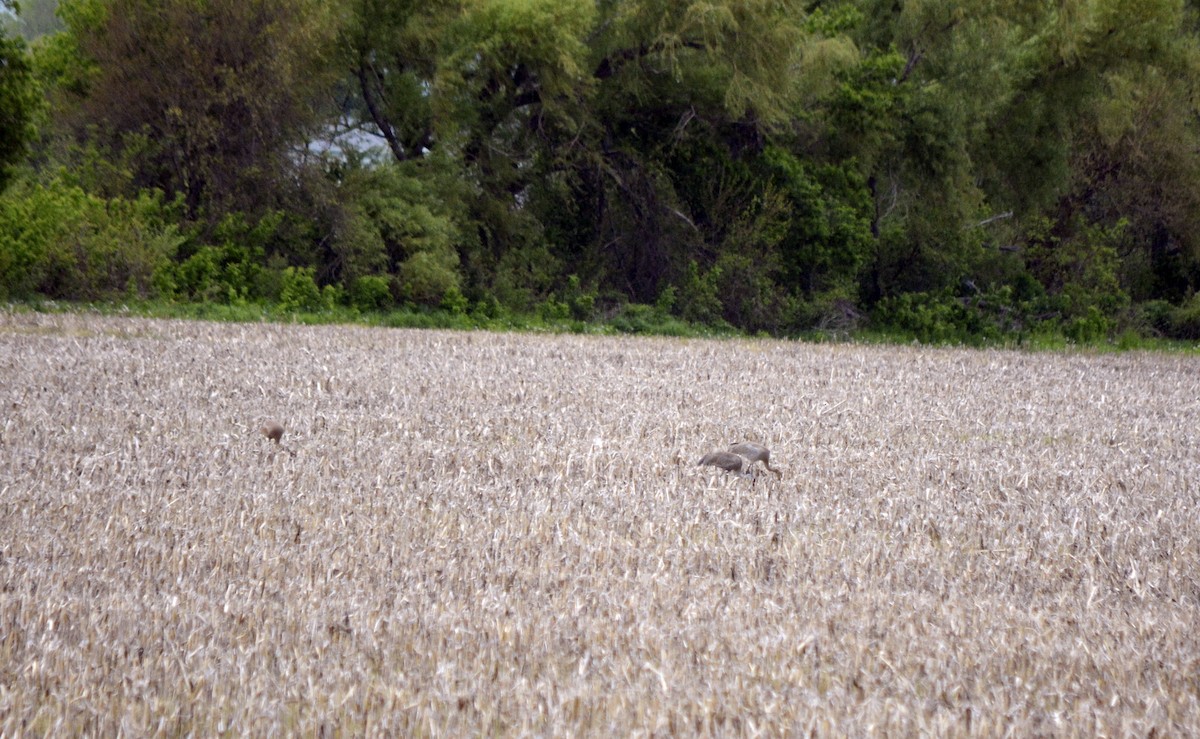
(213, 95)
(393, 50)
(905, 116)
(18, 101)
(406, 221)
(1137, 162)
(686, 95)
(828, 240)
(575, 120)
(961, 169)
(1100, 136)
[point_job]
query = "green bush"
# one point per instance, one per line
(371, 292)
(1088, 328)
(580, 302)
(1154, 317)
(554, 310)
(358, 248)
(32, 222)
(697, 299)
(229, 273)
(667, 299)
(332, 296)
(931, 318)
(300, 291)
(1184, 321)
(60, 241)
(488, 309)
(1081, 271)
(637, 318)
(427, 276)
(405, 220)
(454, 302)
(241, 260)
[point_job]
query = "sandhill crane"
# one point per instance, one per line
(727, 461)
(755, 453)
(272, 431)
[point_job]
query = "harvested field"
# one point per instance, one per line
(468, 533)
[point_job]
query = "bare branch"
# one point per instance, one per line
(686, 220)
(914, 56)
(986, 221)
(385, 127)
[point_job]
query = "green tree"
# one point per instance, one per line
(686, 96)
(976, 124)
(18, 101)
(406, 220)
(1099, 135)
(1136, 163)
(211, 97)
(767, 164)
(581, 125)
(393, 49)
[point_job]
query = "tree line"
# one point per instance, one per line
(949, 170)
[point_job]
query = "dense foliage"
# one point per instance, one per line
(952, 171)
(18, 100)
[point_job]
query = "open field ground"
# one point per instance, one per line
(473, 533)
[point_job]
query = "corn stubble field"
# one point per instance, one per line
(470, 533)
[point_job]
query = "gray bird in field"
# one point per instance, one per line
(755, 453)
(727, 461)
(272, 431)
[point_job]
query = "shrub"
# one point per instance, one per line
(582, 303)
(1081, 271)
(931, 318)
(554, 310)
(698, 299)
(638, 318)
(455, 302)
(1184, 322)
(332, 296)
(525, 274)
(427, 276)
(300, 291)
(371, 292)
(488, 308)
(228, 273)
(60, 241)
(359, 249)
(1088, 328)
(1154, 317)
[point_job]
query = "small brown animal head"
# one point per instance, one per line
(272, 431)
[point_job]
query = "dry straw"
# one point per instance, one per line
(506, 534)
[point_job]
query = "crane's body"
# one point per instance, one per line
(755, 453)
(727, 461)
